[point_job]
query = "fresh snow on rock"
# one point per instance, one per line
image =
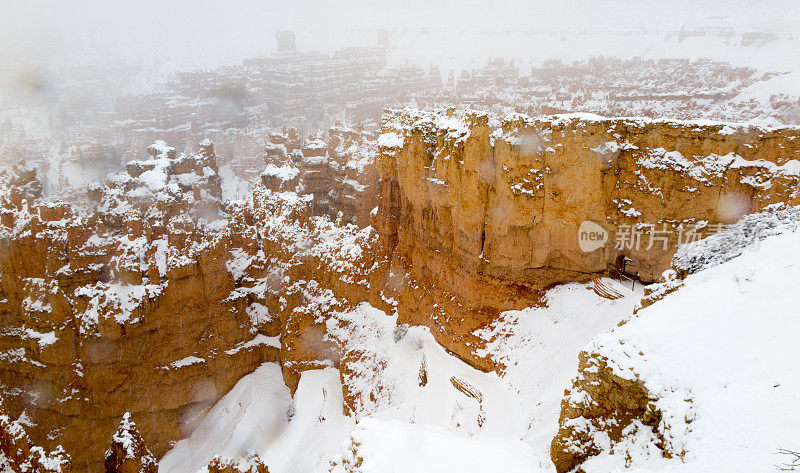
(744, 234)
(458, 419)
(718, 355)
(390, 140)
(259, 416)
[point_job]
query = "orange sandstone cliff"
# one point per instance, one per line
(129, 306)
(478, 215)
(158, 299)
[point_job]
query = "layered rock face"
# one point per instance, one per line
(478, 215)
(507, 202)
(131, 306)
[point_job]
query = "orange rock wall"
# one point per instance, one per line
(127, 307)
(478, 216)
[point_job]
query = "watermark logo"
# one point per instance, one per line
(626, 237)
(591, 236)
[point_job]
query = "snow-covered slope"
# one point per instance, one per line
(540, 348)
(259, 416)
(717, 358)
(395, 446)
(400, 383)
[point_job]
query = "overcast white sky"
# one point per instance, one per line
(202, 33)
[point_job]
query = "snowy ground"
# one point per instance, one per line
(459, 418)
(717, 355)
(396, 446)
(720, 354)
(259, 416)
(541, 349)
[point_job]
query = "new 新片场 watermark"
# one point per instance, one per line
(592, 236)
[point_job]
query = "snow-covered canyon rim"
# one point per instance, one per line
(373, 287)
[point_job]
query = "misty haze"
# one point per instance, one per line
(369, 236)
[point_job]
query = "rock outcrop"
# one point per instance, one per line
(18, 454)
(128, 453)
(251, 464)
(130, 306)
(599, 410)
(340, 175)
(315, 267)
(477, 216)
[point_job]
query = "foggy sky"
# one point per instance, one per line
(186, 34)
